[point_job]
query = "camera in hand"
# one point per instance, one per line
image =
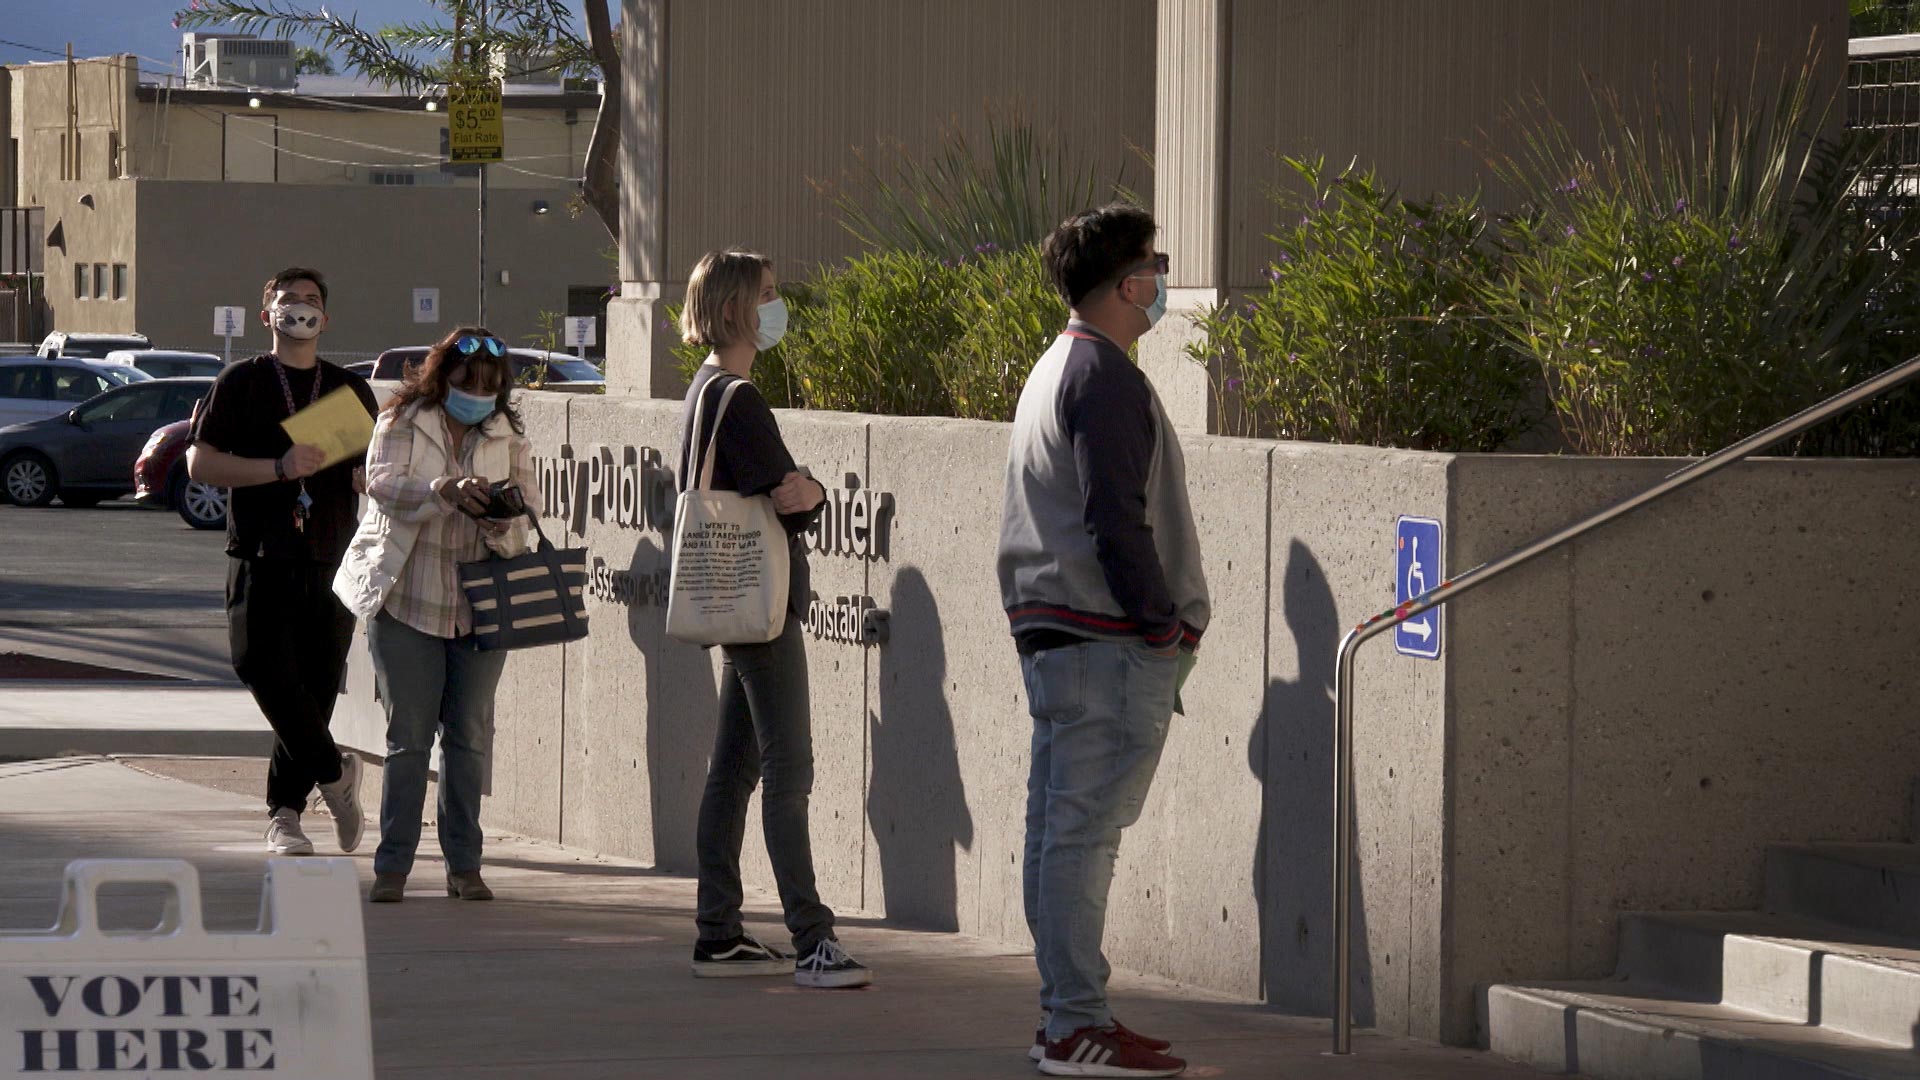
(503, 501)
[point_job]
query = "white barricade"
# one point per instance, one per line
(287, 1001)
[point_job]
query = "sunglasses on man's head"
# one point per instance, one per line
(469, 345)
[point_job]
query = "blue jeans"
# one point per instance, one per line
(1100, 717)
(431, 684)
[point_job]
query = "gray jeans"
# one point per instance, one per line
(765, 732)
(431, 684)
(1100, 717)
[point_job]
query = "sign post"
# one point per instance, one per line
(229, 323)
(476, 135)
(1417, 568)
(581, 332)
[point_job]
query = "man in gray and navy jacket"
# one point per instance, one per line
(1099, 568)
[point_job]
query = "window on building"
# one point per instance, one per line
(119, 281)
(66, 155)
(99, 281)
(113, 159)
(82, 278)
(390, 178)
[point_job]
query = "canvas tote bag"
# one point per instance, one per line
(529, 600)
(730, 558)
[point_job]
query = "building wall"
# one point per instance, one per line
(1624, 726)
(103, 89)
(203, 245)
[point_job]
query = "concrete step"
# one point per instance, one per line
(1803, 971)
(1620, 1030)
(1870, 886)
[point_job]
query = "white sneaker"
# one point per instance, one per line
(284, 836)
(343, 802)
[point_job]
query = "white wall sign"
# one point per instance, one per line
(581, 331)
(229, 322)
(426, 305)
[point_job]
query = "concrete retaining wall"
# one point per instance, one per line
(1623, 726)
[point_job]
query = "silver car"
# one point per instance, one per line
(168, 363)
(33, 388)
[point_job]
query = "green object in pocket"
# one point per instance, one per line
(1187, 660)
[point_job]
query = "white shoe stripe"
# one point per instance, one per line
(1104, 1054)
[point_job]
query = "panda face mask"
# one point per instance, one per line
(302, 322)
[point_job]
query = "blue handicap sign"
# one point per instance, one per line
(1417, 568)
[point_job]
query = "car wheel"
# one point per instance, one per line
(199, 505)
(82, 500)
(29, 479)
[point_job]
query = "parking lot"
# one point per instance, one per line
(116, 586)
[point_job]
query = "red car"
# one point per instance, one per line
(160, 480)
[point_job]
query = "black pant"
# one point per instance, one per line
(765, 731)
(290, 637)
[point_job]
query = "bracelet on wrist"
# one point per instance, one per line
(280, 468)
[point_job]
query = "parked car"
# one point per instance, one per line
(168, 363)
(32, 388)
(362, 368)
(565, 372)
(160, 480)
(90, 346)
(86, 455)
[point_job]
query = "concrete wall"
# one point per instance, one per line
(1512, 798)
(375, 244)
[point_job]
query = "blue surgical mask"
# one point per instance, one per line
(773, 324)
(469, 409)
(1158, 309)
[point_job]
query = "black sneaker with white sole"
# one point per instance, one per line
(828, 967)
(738, 956)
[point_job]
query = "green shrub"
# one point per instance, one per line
(907, 334)
(1681, 289)
(1367, 330)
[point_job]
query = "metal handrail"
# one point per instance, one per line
(1453, 588)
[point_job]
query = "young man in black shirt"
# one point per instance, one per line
(288, 525)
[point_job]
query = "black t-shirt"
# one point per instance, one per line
(242, 416)
(751, 459)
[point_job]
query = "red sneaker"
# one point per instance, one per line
(1158, 1046)
(1094, 1051)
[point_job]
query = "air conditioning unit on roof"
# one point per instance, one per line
(237, 61)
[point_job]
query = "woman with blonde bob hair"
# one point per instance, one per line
(766, 730)
(438, 449)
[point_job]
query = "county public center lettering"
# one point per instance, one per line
(153, 1023)
(633, 487)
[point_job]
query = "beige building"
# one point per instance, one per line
(164, 201)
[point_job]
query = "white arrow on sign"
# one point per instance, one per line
(1422, 628)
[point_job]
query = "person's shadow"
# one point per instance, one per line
(682, 713)
(1291, 753)
(916, 800)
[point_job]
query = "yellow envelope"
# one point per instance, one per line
(337, 424)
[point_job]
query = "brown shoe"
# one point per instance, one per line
(466, 885)
(387, 889)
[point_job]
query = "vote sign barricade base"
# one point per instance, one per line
(289, 1000)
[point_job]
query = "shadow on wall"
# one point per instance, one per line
(1291, 753)
(916, 800)
(683, 709)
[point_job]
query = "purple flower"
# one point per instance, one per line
(1569, 232)
(1677, 261)
(1680, 206)
(1303, 221)
(1319, 204)
(1293, 356)
(985, 249)
(1734, 243)
(665, 325)
(1233, 384)
(1418, 224)
(1572, 185)
(1252, 307)
(1273, 275)
(1646, 275)
(1285, 258)
(1593, 343)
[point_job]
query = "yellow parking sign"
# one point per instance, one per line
(475, 130)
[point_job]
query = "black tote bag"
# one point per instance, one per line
(529, 600)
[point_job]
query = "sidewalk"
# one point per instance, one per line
(579, 969)
(49, 719)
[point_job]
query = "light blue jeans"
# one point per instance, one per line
(431, 684)
(1100, 717)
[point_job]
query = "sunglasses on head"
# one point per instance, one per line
(470, 344)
